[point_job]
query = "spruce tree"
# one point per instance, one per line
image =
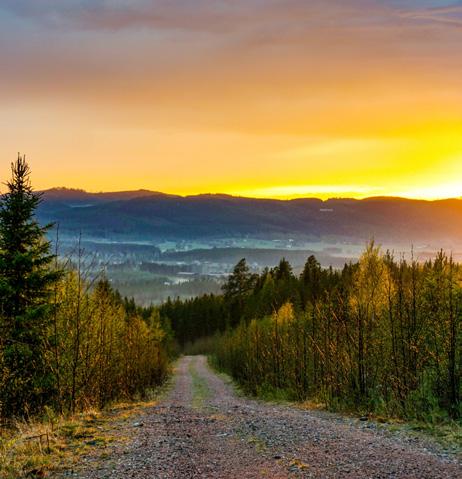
(311, 280)
(26, 280)
(239, 285)
(240, 281)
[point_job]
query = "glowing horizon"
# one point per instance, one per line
(288, 192)
(338, 98)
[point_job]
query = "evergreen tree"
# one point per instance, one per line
(240, 281)
(239, 285)
(26, 280)
(283, 272)
(311, 280)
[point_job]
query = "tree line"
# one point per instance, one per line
(382, 335)
(66, 341)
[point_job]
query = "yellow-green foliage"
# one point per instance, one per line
(381, 336)
(99, 351)
(66, 341)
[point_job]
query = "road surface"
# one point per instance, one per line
(203, 429)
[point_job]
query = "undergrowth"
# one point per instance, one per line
(36, 448)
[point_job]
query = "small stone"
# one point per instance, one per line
(92, 443)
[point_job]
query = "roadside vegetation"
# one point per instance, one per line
(68, 343)
(381, 338)
(56, 443)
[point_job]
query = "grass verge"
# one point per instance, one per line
(200, 389)
(38, 449)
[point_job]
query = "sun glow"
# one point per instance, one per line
(324, 192)
(357, 101)
(425, 166)
(304, 191)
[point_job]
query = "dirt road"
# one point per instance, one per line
(202, 429)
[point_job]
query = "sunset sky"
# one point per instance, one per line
(275, 98)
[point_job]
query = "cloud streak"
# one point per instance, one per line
(450, 15)
(200, 15)
(211, 16)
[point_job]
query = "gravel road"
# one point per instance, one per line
(202, 429)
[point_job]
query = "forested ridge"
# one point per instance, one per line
(68, 342)
(379, 336)
(148, 215)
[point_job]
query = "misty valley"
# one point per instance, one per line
(162, 254)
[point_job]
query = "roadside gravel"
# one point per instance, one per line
(202, 429)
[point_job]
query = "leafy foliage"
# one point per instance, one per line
(103, 349)
(65, 342)
(380, 336)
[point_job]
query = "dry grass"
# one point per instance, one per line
(310, 405)
(35, 449)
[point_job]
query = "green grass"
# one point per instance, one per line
(200, 389)
(258, 443)
(448, 434)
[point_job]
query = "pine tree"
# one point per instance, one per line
(239, 285)
(26, 280)
(311, 280)
(240, 281)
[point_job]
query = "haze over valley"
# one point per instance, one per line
(153, 245)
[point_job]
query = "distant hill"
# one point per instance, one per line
(75, 197)
(82, 195)
(154, 215)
